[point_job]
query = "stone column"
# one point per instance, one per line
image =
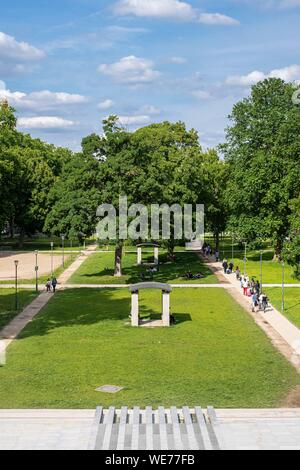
(139, 256)
(135, 309)
(156, 255)
(166, 308)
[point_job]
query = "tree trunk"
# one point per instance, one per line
(217, 239)
(11, 228)
(278, 251)
(21, 238)
(118, 260)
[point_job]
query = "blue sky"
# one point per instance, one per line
(67, 64)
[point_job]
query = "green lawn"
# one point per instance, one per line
(99, 269)
(292, 302)
(7, 304)
(215, 355)
(272, 270)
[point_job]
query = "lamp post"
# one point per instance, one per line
(63, 249)
(245, 259)
(52, 246)
(283, 283)
(261, 271)
(36, 272)
(232, 254)
(16, 285)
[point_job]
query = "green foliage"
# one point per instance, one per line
(74, 199)
(262, 150)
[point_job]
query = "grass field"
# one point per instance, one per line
(99, 269)
(272, 270)
(7, 304)
(292, 302)
(83, 340)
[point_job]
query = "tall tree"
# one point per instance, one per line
(262, 150)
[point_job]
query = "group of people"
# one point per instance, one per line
(190, 276)
(51, 285)
(251, 287)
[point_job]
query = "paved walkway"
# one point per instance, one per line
(71, 429)
(13, 329)
(65, 276)
(287, 331)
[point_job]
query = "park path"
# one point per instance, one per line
(284, 335)
(11, 331)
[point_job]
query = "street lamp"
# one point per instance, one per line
(63, 249)
(232, 254)
(36, 272)
(16, 285)
(245, 259)
(283, 283)
(52, 246)
(261, 271)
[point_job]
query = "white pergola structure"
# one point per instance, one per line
(166, 290)
(140, 247)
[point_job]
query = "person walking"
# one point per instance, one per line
(225, 266)
(54, 284)
(48, 285)
(254, 301)
(238, 273)
(245, 286)
(217, 255)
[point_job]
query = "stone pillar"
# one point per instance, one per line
(135, 309)
(156, 255)
(139, 256)
(166, 308)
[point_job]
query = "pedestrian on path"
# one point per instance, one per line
(54, 284)
(225, 266)
(254, 302)
(245, 286)
(48, 285)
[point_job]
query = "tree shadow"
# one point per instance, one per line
(83, 307)
(168, 270)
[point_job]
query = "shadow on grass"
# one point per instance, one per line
(76, 307)
(83, 307)
(168, 270)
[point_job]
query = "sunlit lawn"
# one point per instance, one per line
(272, 270)
(215, 355)
(99, 269)
(7, 304)
(292, 302)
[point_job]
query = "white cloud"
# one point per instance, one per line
(215, 19)
(45, 122)
(156, 9)
(40, 100)
(201, 94)
(178, 60)
(170, 9)
(288, 74)
(106, 104)
(131, 69)
(12, 49)
(15, 56)
(151, 110)
(134, 120)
